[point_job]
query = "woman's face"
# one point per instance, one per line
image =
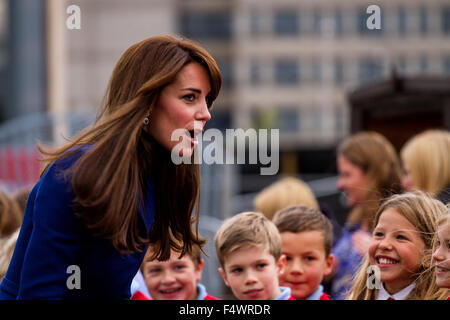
(180, 104)
(407, 181)
(352, 181)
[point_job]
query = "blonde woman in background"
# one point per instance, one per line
(287, 192)
(426, 163)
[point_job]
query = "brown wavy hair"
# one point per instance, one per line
(110, 178)
(377, 158)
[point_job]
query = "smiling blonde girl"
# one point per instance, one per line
(401, 242)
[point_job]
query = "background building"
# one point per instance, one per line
(287, 64)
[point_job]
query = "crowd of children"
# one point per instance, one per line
(290, 247)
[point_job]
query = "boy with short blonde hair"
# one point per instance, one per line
(248, 247)
(306, 241)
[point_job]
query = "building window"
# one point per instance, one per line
(423, 20)
(288, 120)
(423, 62)
(206, 25)
(255, 72)
(254, 23)
(401, 16)
(370, 69)
(446, 65)
(338, 71)
(340, 121)
(316, 71)
(226, 70)
(317, 21)
(338, 22)
(287, 72)
(286, 23)
(446, 21)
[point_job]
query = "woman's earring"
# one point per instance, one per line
(146, 121)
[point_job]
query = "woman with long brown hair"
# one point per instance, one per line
(369, 171)
(113, 189)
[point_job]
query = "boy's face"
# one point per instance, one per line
(306, 263)
(252, 273)
(174, 279)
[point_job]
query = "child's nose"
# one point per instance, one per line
(168, 278)
(437, 256)
(296, 267)
(250, 278)
(385, 244)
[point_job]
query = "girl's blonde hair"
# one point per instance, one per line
(284, 193)
(444, 218)
(427, 156)
(423, 212)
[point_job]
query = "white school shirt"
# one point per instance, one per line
(401, 295)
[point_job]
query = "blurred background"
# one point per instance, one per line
(311, 68)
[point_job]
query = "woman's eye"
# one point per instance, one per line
(189, 97)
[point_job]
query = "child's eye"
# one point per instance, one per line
(236, 270)
(260, 265)
(288, 258)
(401, 237)
(155, 270)
(378, 234)
(310, 258)
(179, 267)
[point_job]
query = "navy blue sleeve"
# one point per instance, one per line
(56, 238)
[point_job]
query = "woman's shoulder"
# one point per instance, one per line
(67, 160)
